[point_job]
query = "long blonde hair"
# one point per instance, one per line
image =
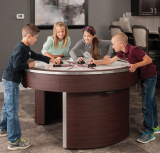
(60, 24)
(95, 42)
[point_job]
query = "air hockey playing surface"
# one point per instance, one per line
(70, 66)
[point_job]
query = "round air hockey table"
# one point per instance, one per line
(94, 101)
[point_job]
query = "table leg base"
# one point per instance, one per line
(95, 119)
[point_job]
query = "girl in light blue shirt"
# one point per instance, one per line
(58, 44)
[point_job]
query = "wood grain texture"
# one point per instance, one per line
(48, 106)
(44, 82)
(40, 107)
(80, 83)
(97, 119)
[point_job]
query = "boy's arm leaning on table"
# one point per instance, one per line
(104, 62)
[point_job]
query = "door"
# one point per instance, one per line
(146, 7)
(156, 7)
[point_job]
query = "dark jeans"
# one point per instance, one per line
(149, 106)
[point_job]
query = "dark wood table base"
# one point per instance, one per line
(94, 107)
(90, 120)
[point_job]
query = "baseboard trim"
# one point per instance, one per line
(20, 87)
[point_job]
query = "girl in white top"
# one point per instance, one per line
(58, 44)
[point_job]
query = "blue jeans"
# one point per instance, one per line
(9, 115)
(149, 106)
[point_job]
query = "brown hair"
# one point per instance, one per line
(121, 37)
(60, 24)
(30, 29)
(95, 42)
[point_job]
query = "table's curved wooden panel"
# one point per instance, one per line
(97, 119)
(81, 83)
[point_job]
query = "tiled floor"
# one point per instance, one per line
(48, 138)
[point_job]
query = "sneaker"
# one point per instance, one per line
(156, 130)
(19, 144)
(3, 133)
(146, 137)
